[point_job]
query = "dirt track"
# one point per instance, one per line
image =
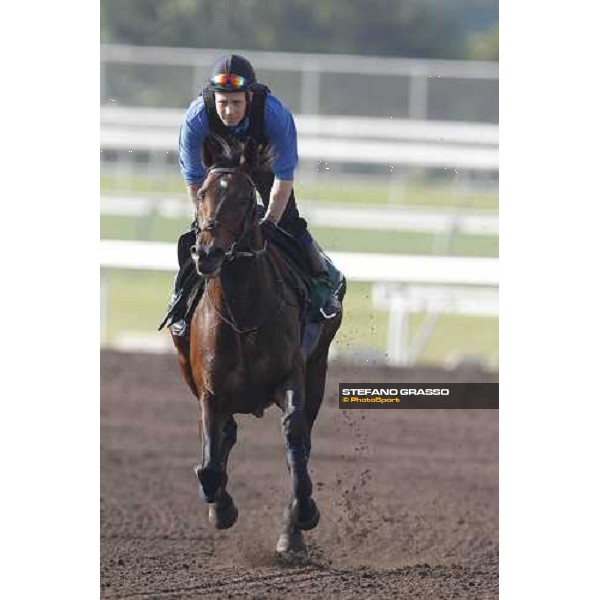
(408, 498)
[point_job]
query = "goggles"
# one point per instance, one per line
(230, 81)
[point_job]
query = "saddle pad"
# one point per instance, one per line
(317, 290)
(288, 254)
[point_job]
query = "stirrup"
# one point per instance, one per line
(179, 328)
(332, 308)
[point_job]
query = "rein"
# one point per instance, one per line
(231, 322)
(233, 253)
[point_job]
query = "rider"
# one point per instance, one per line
(235, 105)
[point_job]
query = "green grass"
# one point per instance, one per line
(349, 191)
(440, 195)
(141, 184)
(156, 228)
(456, 335)
(137, 301)
(404, 242)
(150, 228)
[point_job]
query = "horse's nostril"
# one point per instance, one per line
(198, 252)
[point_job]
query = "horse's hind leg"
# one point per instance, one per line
(304, 511)
(316, 374)
(301, 511)
(219, 434)
(291, 541)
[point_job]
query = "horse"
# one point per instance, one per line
(245, 350)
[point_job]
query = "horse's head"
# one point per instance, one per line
(226, 211)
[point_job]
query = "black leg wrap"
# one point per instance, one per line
(305, 514)
(298, 463)
(294, 428)
(211, 482)
(230, 432)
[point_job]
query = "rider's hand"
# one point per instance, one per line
(268, 228)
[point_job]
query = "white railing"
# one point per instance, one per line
(416, 79)
(137, 118)
(405, 346)
(162, 256)
(326, 63)
(320, 214)
(333, 139)
(405, 284)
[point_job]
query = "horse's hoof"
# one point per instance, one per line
(307, 518)
(291, 548)
(223, 514)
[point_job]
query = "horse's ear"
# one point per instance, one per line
(212, 148)
(208, 153)
(264, 158)
(257, 157)
(248, 158)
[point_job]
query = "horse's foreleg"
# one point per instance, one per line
(182, 345)
(219, 434)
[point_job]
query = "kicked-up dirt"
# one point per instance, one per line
(408, 498)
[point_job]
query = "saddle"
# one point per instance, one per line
(292, 264)
(286, 251)
(313, 292)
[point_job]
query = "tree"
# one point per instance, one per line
(411, 28)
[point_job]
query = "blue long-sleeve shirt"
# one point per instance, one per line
(279, 129)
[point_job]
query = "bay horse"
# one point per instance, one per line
(245, 349)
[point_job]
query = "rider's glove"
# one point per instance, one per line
(268, 228)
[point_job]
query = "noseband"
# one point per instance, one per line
(211, 224)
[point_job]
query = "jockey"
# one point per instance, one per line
(235, 105)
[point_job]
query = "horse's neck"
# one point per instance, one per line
(248, 279)
(249, 291)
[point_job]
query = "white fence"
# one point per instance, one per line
(389, 142)
(412, 283)
(320, 214)
(162, 256)
(326, 84)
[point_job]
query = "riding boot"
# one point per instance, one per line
(319, 270)
(176, 310)
(187, 288)
(316, 261)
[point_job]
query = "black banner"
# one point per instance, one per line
(418, 395)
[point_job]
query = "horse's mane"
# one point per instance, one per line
(248, 155)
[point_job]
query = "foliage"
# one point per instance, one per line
(484, 46)
(410, 28)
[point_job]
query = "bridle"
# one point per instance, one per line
(212, 223)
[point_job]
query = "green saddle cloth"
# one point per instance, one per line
(322, 288)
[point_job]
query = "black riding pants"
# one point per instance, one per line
(290, 221)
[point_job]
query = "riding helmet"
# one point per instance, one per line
(232, 73)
